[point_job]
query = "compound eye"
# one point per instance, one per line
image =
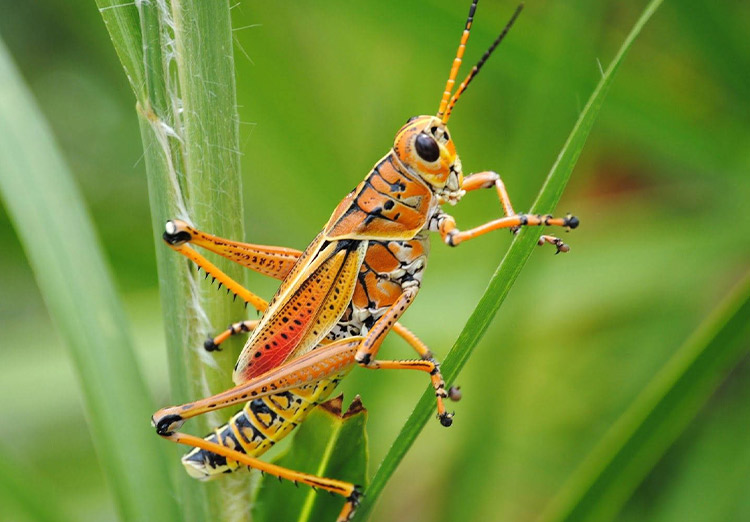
(412, 119)
(427, 147)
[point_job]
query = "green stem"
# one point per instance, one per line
(185, 89)
(204, 61)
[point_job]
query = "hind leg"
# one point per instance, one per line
(273, 261)
(326, 362)
(352, 493)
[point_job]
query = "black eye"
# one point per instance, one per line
(412, 119)
(427, 147)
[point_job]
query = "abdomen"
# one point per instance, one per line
(259, 425)
(387, 266)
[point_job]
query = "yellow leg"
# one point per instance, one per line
(330, 361)
(212, 270)
(269, 260)
(351, 492)
(489, 179)
(368, 350)
(324, 362)
(414, 341)
(453, 237)
(421, 348)
(272, 261)
(212, 343)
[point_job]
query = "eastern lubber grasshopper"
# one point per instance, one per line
(340, 297)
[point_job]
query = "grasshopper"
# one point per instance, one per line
(341, 296)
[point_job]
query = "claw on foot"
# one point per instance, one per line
(571, 221)
(446, 419)
(167, 424)
(552, 240)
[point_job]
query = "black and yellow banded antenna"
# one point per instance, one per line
(448, 101)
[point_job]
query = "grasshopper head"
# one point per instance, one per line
(425, 147)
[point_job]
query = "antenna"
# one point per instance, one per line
(457, 60)
(445, 111)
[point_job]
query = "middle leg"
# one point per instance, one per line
(370, 346)
(212, 343)
(424, 351)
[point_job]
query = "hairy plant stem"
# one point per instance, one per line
(186, 101)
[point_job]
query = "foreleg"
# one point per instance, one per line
(489, 179)
(453, 237)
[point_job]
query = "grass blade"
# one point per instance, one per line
(49, 215)
(328, 444)
(121, 19)
(653, 422)
(506, 274)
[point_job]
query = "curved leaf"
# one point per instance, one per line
(506, 274)
(653, 422)
(59, 240)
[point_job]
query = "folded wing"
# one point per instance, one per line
(308, 304)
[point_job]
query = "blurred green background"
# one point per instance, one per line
(661, 189)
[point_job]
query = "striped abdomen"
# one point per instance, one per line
(258, 426)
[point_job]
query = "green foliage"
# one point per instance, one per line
(17, 497)
(661, 189)
(59, 240)
(637, 441)
(123, 23)
(327, 444)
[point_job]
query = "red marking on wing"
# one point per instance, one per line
(283, 331)
(306, 314)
